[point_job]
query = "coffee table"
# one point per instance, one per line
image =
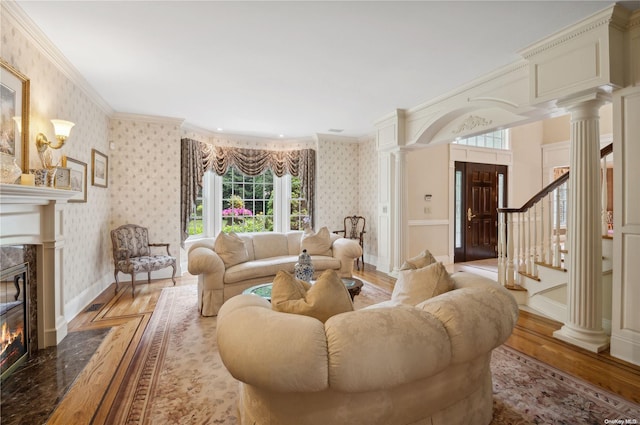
(353, 285)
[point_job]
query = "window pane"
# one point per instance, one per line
(495, 140)
(501, 191)
(458, 213)
(244, 202)
(298, 213)
(195, 223)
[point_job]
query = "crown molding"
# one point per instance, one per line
(634, 19)
(597, 20)
(146, 118)
(324, 137)
(26, 26)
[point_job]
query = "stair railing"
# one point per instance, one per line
(530, 236)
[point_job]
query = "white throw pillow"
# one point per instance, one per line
(316, 243)
(230, 247)
(419, 261)
(417, 285)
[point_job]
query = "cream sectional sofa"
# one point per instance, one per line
(388, 364)
(267, 253)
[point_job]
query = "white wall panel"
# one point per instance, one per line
(625, 336)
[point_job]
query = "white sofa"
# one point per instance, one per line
(267, 254)
(384, 365)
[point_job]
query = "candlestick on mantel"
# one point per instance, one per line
(28, 180)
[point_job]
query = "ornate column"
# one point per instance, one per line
(400, 209)
(584, 242)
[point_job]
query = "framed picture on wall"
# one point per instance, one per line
(14, 114)
(77, 178)
(62, 178)
(99, 169)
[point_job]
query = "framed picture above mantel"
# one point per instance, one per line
(99, 169)
(14, 114)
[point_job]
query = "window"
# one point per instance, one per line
(495, 140)
(238, 203)
(560, 199)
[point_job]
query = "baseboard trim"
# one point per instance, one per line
(86, 297)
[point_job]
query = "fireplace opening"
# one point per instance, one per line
(14, 320)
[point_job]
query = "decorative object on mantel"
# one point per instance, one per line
(14, 89)
(51, 176)
(100, 169)
(9, 169)
(77, 179)
(28, 180)
(63, 178)
(40, 176)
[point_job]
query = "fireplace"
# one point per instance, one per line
(32, 217)
(14, 318)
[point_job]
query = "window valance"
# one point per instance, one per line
(253, 162)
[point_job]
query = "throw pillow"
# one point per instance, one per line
(325, 298)
(316, 243)
(415, 286)
(419, 261)
(230, 247)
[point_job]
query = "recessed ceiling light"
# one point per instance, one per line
(219, 129)
(281, 136)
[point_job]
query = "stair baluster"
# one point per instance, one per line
(525, 244)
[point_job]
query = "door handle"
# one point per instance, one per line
(469, 215)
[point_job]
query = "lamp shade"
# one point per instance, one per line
(62, 128)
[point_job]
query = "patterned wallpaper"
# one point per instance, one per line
(368, 194)
(87, 252)
(337, 181)
(145, 177)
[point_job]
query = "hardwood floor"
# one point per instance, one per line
(92, 396)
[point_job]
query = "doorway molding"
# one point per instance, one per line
(463, 153)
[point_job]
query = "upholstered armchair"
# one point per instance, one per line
(132, 254)
(354, 228)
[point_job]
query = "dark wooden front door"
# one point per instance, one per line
(476, 209)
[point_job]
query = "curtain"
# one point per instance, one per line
(197, 158)
(194, 161)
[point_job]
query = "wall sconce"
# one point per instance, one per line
(62, 130)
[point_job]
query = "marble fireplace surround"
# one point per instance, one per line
(33, 215)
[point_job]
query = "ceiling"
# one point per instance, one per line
(291, 69)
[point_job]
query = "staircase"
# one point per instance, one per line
(532, 256)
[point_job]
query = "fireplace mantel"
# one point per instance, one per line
(35, 195)
(34, 215)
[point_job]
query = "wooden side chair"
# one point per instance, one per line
(132, 254)
(354, 228)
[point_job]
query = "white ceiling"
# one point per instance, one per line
(293, 68)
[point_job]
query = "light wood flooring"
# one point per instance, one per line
(93, 394)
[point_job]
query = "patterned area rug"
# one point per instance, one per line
(177, 377)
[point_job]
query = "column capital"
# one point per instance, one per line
(584, 105)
